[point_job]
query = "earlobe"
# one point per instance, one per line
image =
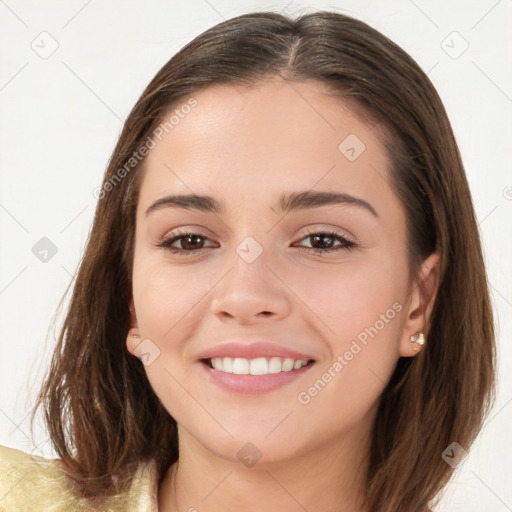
(133, 336)
(132, 340)
(423, 295)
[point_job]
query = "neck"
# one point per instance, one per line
(329, 478)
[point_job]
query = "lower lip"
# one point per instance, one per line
(253, 384)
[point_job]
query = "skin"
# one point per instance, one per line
(245, 147)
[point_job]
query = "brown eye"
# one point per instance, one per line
(190, 242)
(324, 242)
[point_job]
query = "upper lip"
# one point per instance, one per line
(252, 351)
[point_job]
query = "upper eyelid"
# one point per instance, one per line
(331, 231)
(309, 230)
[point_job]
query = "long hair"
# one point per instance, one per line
(100, 409)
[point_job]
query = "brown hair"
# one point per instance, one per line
(100, 409)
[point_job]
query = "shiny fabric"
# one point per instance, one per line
(29, 483)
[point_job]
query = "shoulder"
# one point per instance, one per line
(23, 477)
(32, 483)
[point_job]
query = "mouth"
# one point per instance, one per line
(253, 368)
(256, 366)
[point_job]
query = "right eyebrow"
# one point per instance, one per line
(188, 202)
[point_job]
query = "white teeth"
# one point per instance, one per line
(274, 365)
(227, 364)
(257, 366)
(287, 365)
(240, 366)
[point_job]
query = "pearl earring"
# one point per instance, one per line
(418, 338)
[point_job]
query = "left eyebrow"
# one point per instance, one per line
(288, 202)
(309, 199)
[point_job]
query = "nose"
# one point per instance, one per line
(250, 293)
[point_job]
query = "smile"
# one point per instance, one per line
(254, 376)
(257, 366)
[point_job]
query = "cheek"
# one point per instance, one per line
(165, 298)
(367, 319)
(165, 294)
(361, 311)
(346, 299)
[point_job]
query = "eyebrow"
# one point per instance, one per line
(288, 202)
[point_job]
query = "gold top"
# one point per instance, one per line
(29, 483)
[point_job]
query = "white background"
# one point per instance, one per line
(61, 117)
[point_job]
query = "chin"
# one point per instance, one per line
(246, 442)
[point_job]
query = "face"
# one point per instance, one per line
(320, 278)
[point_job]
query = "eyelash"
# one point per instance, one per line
(177, 235)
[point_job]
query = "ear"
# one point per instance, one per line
(423, 294)
(133, 336)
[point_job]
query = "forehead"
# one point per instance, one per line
(245, 141)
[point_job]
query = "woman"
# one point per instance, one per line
(283, 303)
